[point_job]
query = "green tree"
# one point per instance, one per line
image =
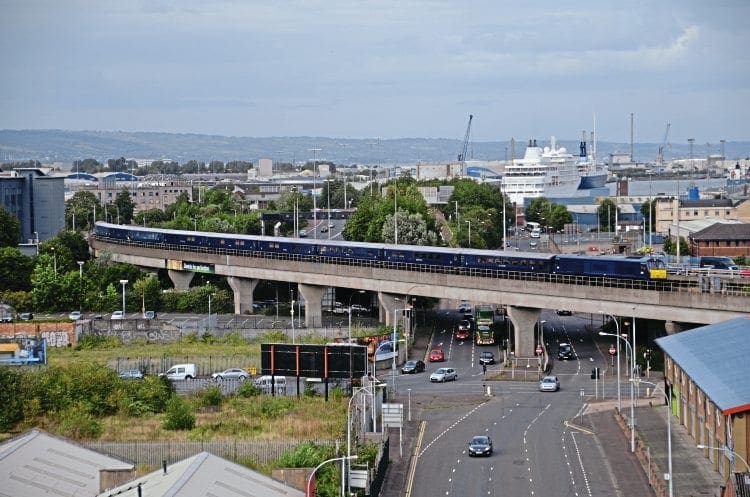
(149, 290)
(607, 214)
(412, 230)
(82, 204)
(648, 211)
(15, 270)
(125, 207)
(11, 400)
(670, 246)
(10, 229)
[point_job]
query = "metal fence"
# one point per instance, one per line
(153, 453)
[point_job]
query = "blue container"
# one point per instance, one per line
(693, 193)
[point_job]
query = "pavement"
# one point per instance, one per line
(639, 473)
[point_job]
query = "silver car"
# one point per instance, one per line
(231, 374)
(443, 375)
(549, 384)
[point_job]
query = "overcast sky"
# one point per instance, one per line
(385, 68)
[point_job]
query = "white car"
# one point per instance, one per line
(75, 315)
(356, 308)
(117, 315)
(444, 374)
(549, 384)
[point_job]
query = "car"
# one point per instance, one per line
(564, 312)
(331, 225)
(469, 317)
(131, 374)
(462, 334)
(480, 445)
(565, 351)
(486, 357)
(360, 309)
(75, 315)
(26, 316)
(532, 244)
(436, 355)
(303, 233)
(464, 324)
(412, 367)
(549, 384)
(745, 272)
(442, 375)
(231, 374)
(340, 310)
(324, 229)
(117, 315)
(149, 315)
(464, 307)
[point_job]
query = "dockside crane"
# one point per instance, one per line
(663, 147)
(462, 155)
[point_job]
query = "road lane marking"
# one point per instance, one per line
(456, 423)
(414, 459)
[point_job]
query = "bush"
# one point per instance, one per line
(179, 415)
(211, 396)
(11, 402)
(77, 422)
(248, 389)
(60, 387)
(90, 342)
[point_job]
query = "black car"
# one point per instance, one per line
(564, 312)
(486, 357)
(481, 445)
(565, 351)
(411, 367)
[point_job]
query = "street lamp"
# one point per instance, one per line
(726, 450)
(123, 283)
(54, 257)
(349, 427)
(632, 403)
(309, 480)
(669, 431)
(80, 269)
(394, 342)
(617, 327)
(469, 223)
(293, 333)
(350, 312)
(315, 184)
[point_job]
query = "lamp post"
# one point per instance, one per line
(315, 184)
(123, 283)
(80, 269)
(394, 342)
(209, 313)
(669, 432)
(350, 312)
(395, 211)
(469, 223)
(632, 402)
(309, 480)
(726, 450)
(54, 257)
(293, 334)
(349, 430)
(617, 327)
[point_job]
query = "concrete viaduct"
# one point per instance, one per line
(524, 298)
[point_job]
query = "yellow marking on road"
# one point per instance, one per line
(414, 459)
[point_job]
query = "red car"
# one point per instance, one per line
(745, 273)
(462, 334)
(436, 355)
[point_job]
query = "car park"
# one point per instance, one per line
(486, 357)
(131, 374)
(549, 384)
(480, 445)
(75, 315)
(412, 367)
(442, 375)
(117, 315)
(436, 355)
(231, 374)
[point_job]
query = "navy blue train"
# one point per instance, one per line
(388, 255)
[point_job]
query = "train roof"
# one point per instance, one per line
(616, 258)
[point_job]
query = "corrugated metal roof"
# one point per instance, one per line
(204, 475)
(39, 464)
(715, 357)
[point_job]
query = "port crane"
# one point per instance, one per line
(664, 146)
(462, 155)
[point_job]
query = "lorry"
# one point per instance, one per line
(484, 335)
(484, 315)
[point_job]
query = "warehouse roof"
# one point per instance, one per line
(715, 358)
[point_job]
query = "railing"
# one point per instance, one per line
(692, 282)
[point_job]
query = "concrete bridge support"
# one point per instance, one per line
(180, 279)
(672, 327)
(243, 293)
(390, 303)
(524, 321)
(313, 295)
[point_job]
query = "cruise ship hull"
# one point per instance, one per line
(591, 181)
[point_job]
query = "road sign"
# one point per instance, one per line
(539, 350)
(612, 350)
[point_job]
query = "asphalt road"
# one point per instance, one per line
(537, 450)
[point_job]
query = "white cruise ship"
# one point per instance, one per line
(547, 172)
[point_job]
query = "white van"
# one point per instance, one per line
(264, 383)
(181, 372)
(536, 233)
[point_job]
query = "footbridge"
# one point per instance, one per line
(679, 300)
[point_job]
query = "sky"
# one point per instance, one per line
(380, 68)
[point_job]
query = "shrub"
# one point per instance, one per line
(211, 396)
(60, 387)
(11, 402)
(248, 389)
(179, 414)
(79, 423)
(90, 342)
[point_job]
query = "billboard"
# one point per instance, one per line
(314, 361)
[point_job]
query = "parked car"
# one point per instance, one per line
(745, 272)
(231, 374)
(360, 309)
(444, 374)
(436, 355)
(181, 372)
(149, 315)
(117, 315)
(26, 316)
(486, 357)
(480, 445)
(324, 229)
(131, 374)
(549, 384)
(564, 312)
(331, 225)
(464, 307)
(75, 315)
(412, 367)
(303, 233)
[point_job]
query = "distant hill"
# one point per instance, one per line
(66, 146)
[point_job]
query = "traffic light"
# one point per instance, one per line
(595, 374)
